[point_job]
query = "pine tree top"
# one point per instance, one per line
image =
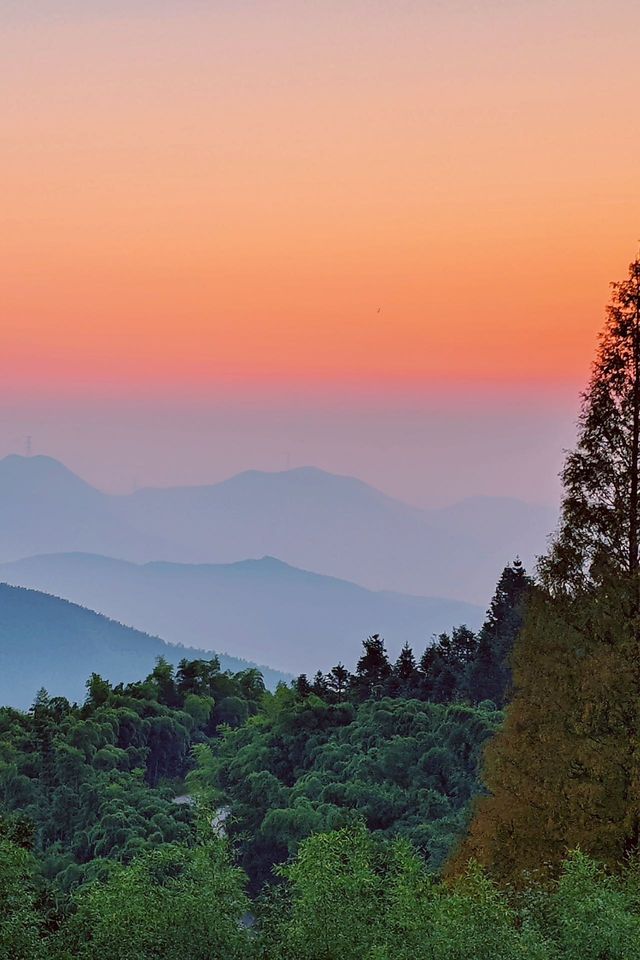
(599, 529)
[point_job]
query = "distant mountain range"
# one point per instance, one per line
(264, 610)
(332, 525)
(48, 642)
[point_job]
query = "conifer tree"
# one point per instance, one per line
(405, 678)
(488, 676)
(599, 528)
(462, 647)
(565, 770)
(320, 686)
(337, 680)
(483, 678)
(373, 668)
(445, 663)
(405, 671)
(162, 678)
(44, 730)
(302, 686)
(425, 670)
(405, 665)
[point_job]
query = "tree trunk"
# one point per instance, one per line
(633, 842)
(635, 448)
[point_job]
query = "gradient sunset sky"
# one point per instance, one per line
(372, 236)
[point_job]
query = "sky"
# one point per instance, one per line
(372, 236)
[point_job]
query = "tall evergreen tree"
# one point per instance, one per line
(404, 679)
(425, 671)
(373, 669)
(405, 667)
(483, 678)
(44, 730)
(488, 675)
(338, 679)
(444, 665)
(320, 686)
(302, 686)
(565, 771)
(462, 648)
(163, 680)
(599, 527)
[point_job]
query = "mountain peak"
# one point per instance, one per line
(38, 470)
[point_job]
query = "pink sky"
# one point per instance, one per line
(376, 237)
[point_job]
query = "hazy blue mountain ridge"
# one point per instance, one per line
(45, 507)
(263, 610)
(332, 525)
(46, 641)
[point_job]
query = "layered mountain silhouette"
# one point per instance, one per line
(332, 525)
(263, 610)
(45, 507)
(45, 641)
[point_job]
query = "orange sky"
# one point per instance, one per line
(400, 194)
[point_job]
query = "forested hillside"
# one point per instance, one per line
(340, 807)
(92, 784)
(106, 809)
(389, 743)
(46, 641)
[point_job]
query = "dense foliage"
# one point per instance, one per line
(565, 771)
(96, 783)
(408, 768)
(560, 774)
(172, 902)
(89, 824)
(346, 896)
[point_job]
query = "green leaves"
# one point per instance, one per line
(596, 914)
(407, 767)
(172, 903)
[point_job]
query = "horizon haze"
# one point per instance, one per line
(372, 237)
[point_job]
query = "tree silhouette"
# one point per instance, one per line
(565, 770)
(338, 680)
(373, 668)
(599, 527)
